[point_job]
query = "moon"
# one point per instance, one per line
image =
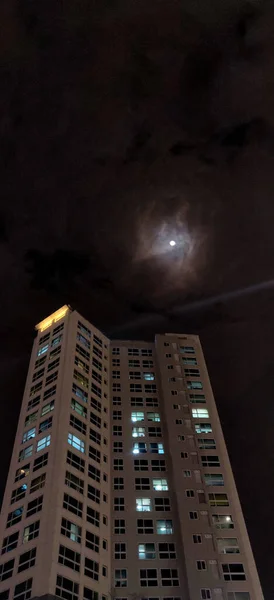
(172, 243)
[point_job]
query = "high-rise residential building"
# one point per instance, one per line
(120, 484)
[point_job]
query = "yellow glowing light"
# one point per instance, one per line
(56, 316)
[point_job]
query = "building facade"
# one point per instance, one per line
(120, 484)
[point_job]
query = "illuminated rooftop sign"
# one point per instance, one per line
(56, 316)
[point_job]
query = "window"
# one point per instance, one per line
(94, 454)
(50, 392)
(135, 387)
(94, 473)
(190, 493)
(156, 448)
(53, 364)
(192, 373)
(140, 465)
(37, 483)
(55, 352)
(47, 408)
(96, 404)
(205, 594)
(34, 506)
(95, 420)
(43, 443)
(194, 385)
(75, 461)
(142, 483)
(164, 527)
(25, 453)
(117, 447)
(116, 374)
(93, 516)
(207, 444)
(167, 551)
(74, 482)
(138, 432)
(143, 504)
(43, 350)
(228, 545)
(51, 378)
(31, 531)
(116, 351)
(148, 577)
(69, 558)
(6, 569)
(216, 479)
(83, 340)
(44, 425)
(197, 398)
(201, 565)
(154, 431)
(233, 572)
(184, 454)
(197, 538)
(82, 352)
(238, 596)
(92, 541)
(120, 577)
(200, 413)
(19, 493)
(118, 483)
(119, 504)
(193, 515)
(218, 500)
(145, 526)
(119, 526)
(73, 505)
(22, 591)
(120, 551)
(133, 363)
(91, 595)
(170, 577)
(150, 388)
(81, 365)
(133, 351)
(91, 569)
(158, 465)
(30, 419)
(187, 350)
(80, 378)
(146, 352)
(10, 542)
(56, 340)
(139, 448)
(26, 560)
(148, 364)
(152, 402)
(137, 416)
(118, 464)
(33, 402)
(35, 388)
(203, 428)
(116, 400)
(116, 362)
(94, 436)
(148, 376)
(210, 461)
(117, 430)
(162, 504)
(14, 517)
(179, 421)
(79, 409)
(76, 442)
(160, 485)
(116, 387)
(222, 521)
(79, 392)
(65, 588)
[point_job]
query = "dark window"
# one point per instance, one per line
(91, 569)
(27, 560)
(10, 542)
(75, 461)
(69, 558)
(77, 424)
(94, 494)
(40, 461)
(93, 516)
(73, 505)
(34, 506)
(22, 591)
(65, 588)
(92, 541)
(6, 570)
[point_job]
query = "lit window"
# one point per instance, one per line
(143, 504)
(71, 530)
(43, 350)
(216, 479)
(228, 546)
(156, 448)
(14, 517)
(76, 442)
(160, 485)
(43, 443)
(146, 551)
(222, 521)
(22, 472)
(203, 428)
(139, 448)
(149, 376)
(164, 527)
(31, 418)
(28, 435)
(187, 350)
(47, 408)
(153, 416)
(31, 531)
(194, 385)
(81, 410)
(137, 416)
(138, 432)
(200, 413)
(218, 500)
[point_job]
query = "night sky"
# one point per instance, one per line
(124, 124)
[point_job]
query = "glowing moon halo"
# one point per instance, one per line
(172, 243)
